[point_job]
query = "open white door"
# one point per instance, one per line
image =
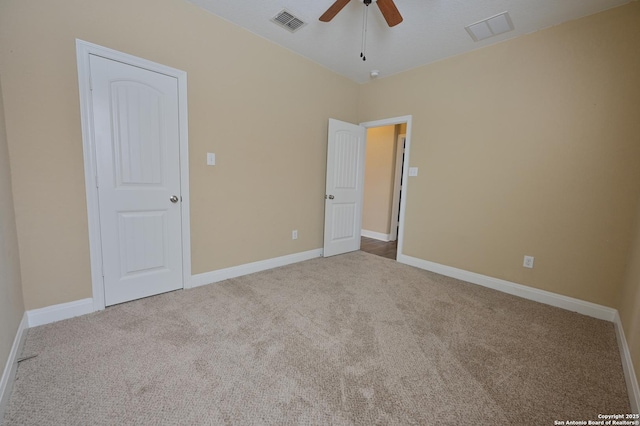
(345, 188)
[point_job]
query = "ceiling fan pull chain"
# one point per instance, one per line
(364, 14)
(364, 31)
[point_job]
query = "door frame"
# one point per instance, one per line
(397, 178)
(405, 167)
(83, 51)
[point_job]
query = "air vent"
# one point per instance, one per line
(490, 27)
(288, 21)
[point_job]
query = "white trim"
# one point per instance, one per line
(83, 50)
(397, 180)
(10, 368)
(250, 268)
(526, 292)
(627, 366)
(185, 202)
(408, 119)
(60, 312)
(375, 235)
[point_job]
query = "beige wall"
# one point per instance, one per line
(262, 109)
(11, 304)
(378, 179)
(630, 299)
(527, 147)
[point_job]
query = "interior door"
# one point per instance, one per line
(136, 133)
(344, 188)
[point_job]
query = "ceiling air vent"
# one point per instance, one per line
(286, 20)
(490, 27)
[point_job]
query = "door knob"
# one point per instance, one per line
(174, 199)
(331, 197)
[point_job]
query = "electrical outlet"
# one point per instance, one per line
(294, 234)
(528, 262)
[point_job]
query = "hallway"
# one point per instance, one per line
(379, 248)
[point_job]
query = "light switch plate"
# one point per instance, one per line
(413, 171)
(211, 159)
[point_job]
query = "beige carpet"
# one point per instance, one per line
(353, 339)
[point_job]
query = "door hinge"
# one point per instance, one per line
(97, 184)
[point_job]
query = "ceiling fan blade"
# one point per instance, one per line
(333, 10)
(390, 12)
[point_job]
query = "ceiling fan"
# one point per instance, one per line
(387, 7)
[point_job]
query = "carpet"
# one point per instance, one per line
(352, 339)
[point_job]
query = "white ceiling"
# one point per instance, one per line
(431, 30)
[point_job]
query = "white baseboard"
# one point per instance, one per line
(60, 312)
(76, 308)
(9, 372)
(375, 235)
(250, 268)
(542, 296)
(627, 366)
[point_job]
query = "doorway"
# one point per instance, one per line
(382, 189)
(344, 196)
